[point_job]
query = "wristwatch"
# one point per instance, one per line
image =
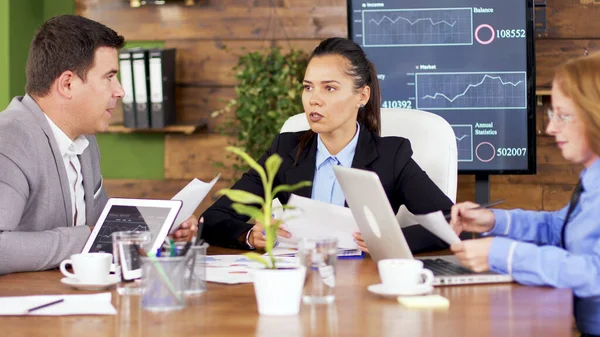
(250, 246)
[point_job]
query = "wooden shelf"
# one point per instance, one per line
(186, 129)
(542, 91)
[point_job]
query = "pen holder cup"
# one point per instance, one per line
(195, 270)
(163, 283)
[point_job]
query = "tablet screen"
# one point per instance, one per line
(129, 218)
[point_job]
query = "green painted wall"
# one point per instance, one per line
(25, 18)
(133, 156)
(124, 156)
(4, 55)
(57, 7)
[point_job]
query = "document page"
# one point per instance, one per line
(437, 224)
(315, 218)
(94, 304)
(191, 196)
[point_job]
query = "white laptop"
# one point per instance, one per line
(119, 214)
(382, 233)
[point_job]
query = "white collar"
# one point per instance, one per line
(65, 145)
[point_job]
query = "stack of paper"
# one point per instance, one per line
(312, 218)
(291, 250)
(234, 269)
(95, 304)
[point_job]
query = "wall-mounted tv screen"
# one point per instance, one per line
(469, 61)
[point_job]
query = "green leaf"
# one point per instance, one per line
(242, 196)
(258, 258)
(290, 188)
(272, 164)
(271, 236)
(251, 211)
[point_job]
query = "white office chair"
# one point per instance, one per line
(433, 143)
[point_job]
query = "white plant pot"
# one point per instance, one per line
(279, 291)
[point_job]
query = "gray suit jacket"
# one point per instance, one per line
(36, 230)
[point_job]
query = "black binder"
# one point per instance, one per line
(141, 86)
(162, 87)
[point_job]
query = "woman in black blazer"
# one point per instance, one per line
(341, 98)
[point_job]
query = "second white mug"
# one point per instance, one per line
(403, 273)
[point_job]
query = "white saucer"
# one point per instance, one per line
(73, 282)
(381, 290)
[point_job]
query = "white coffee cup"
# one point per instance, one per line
(89, 268)
(403, 273)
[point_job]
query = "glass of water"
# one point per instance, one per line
(126, 253)
(319, 256)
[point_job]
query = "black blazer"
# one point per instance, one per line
(404, 182)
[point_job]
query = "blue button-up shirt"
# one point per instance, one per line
(325, 185)
(537, 258)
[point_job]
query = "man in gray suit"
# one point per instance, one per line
(50, 182)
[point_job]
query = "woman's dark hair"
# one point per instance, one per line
(65, 42)
(362, 71)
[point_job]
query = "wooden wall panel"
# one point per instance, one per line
(155, 189)
(527, 196)
(557, 196)
(197, 103)
(210, 63)
(466, 188)
(540, 117)
(222, 19)
(568, 19)
(188, 157)
(546, 174)
(551, 53)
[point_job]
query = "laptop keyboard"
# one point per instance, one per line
(441, 267)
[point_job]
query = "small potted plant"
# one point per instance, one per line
(278, 290)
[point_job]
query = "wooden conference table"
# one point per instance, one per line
(230, 310)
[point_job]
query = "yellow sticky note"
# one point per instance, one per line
(434, 301)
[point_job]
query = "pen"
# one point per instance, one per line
(198, 240)
(187, 246)
(45, 305)
(488, 205)
(173, 249)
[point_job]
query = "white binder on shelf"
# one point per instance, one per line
(128, 101)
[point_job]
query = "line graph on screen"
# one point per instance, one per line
(417, 27)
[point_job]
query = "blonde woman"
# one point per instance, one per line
(561, 248)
